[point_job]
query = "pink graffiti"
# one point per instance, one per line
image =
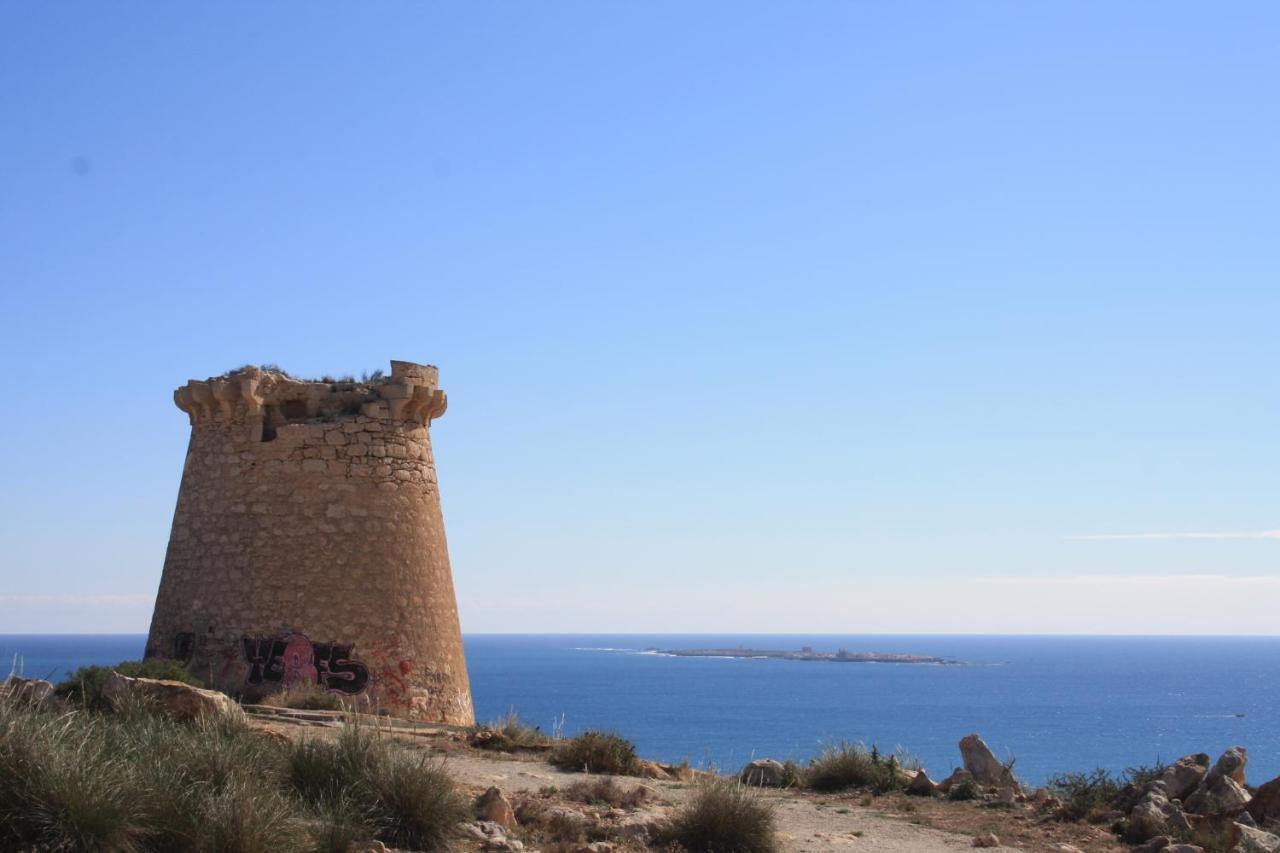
(298, 661)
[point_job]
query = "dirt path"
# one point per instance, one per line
(806, 825)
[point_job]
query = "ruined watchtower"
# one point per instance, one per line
(308, 543)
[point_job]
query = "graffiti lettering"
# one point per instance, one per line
(266, 660)
(293, 659)
(337, 671)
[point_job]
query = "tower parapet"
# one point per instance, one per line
(308, 542)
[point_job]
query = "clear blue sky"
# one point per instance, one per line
(753, 316)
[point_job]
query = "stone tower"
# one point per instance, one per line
(308, 543)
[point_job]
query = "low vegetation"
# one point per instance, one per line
(364, 779)
(724, 817)
(596, 752)
(965, 789)
(84, 686)
(508, 734)
(842, 766)
(84, 780)
(606, 792)
(1087, 796)
(305, 696)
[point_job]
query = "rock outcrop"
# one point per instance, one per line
(493, 806)
(172, 698)
(1222, 789)
(30, 691)
(957, 776)
(987, 770)
(922, 785)
(765, 773)
(1183, 776)
(1155, 815)
(1265, 805)
(1252, 840)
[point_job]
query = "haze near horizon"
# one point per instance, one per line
(834, 318)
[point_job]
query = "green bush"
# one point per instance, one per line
(965, 789)
(1084, 795)
(851, 765)
(1087, 796)
(596, 752)
(723, 817)
(84, 686)
(1144, 773)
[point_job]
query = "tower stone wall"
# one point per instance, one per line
(308, 543)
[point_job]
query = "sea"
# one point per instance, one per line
(1051, 704)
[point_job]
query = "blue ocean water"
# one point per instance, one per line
(1053, 703)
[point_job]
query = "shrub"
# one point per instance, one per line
(305, 696)
(723, 817)
(852, 765)
(606, 792)
(341, 825)
(84, 686)
(416, 802)
(1143, 773)
(1084, 795)
(242, 817)
(965, 789)
(80, 780)
(596, 752)
(508, 734)
(406, 799)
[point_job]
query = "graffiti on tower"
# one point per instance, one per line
(293, 659)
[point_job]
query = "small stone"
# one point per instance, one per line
(988, 840)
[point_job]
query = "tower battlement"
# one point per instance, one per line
(308, 542)
(267, 399)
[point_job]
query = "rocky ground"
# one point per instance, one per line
(534, 808)
(522, 804)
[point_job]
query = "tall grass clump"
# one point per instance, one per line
(86, 781)
(723, 817)
(597, 752)
(81, 780)
(851, 765)
(365, 779)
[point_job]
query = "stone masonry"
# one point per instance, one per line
(308, 543)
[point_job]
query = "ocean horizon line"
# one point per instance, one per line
(732, 634)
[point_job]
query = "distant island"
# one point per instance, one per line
(806, 653)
